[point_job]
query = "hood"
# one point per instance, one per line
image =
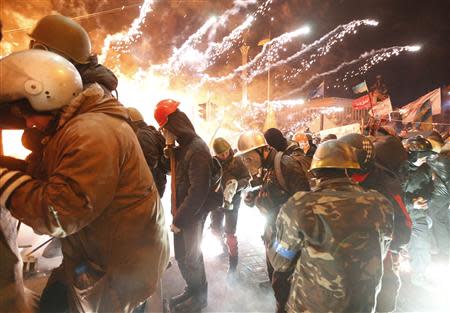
(97, 73)
(93, 99)
(179, 124)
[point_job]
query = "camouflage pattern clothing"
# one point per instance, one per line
(336, 238)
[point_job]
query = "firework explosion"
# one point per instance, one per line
(190, 73)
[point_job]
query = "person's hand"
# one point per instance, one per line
(420, 203)
(174, 229)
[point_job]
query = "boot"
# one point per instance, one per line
(233, 262)
(174, 301)
(232, 274)
(195, 303)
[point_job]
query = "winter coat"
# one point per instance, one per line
(100, 199)
(417, 182)
(193, 170)
(387, 183)
(152, 144)
(440, 167)
(234, 168)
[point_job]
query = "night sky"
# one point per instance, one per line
(402, 22)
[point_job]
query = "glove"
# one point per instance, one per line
(227, 206)
(9, 182)
(174, 229)
(170, 138)
(420, 203)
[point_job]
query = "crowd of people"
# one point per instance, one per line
(340, 212)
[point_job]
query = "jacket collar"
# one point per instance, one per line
(92, 99)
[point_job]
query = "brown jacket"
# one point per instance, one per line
(100, 198)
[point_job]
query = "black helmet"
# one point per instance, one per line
(365, 151)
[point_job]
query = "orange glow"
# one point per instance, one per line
(12, 144)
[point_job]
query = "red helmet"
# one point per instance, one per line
(163, 109)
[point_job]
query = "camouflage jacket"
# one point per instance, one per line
(336, 237)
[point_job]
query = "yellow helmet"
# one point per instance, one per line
(334, 154)
(249, 141)
(135, 115)
(63, 36)
(220, 145)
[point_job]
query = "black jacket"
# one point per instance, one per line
(417, 182)
(152, 144)
(193, 170)
(387, 183)
(96, 73)
(440, 166)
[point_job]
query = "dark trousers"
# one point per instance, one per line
(188, 253)
(419, 246)
(281, 286)
(440, 214)
(390, 284)
(230, 217)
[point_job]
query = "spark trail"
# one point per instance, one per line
(372, 58)
(199, 61)
(122, 40)
(270, 52)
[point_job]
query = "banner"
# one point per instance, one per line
(361, 103)
(342, 130)
(423, 108)
(360, 88)
(382, 108)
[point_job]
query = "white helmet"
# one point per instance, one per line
(46, 79)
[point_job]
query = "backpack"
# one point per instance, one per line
(304, 163)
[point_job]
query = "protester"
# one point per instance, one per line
(374, 176)
(97, 194)
(64, 36)
(335, 237)
(276, 140)
(235, 179)
(152, 144)
(418, 186)
(281, 177)
(194, 170)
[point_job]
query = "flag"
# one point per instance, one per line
(361, 103)
(263, 42)
(360, 88)
(318, 92)
(422, 109)
(382, 108)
